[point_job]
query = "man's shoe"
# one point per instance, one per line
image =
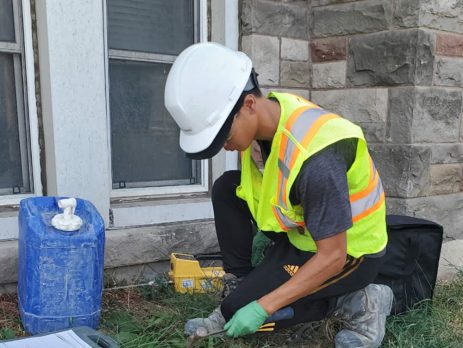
(230, 283)
(214, 322)
(363, 314)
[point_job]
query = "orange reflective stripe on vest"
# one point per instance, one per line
(303, 124)
(298, 123)
(286, 145)
(369, 200)
(285, 222)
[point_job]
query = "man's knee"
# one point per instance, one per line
(225, 185)
(230, 305)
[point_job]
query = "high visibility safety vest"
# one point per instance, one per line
(303, 130)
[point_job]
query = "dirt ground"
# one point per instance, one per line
(9, 317)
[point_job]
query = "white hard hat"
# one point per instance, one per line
(204, 84)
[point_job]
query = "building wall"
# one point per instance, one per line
(392, 66)
(68, 79)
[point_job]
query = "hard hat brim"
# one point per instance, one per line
(216, 144)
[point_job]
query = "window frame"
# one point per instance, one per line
(200, 36)
(24, 70)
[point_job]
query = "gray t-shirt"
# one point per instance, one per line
(321, 188)
(323, 179)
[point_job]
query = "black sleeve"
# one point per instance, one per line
(321, 188)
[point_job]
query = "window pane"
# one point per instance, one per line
(10, 154)
(155, 26)
(144, 137)
(6, 21)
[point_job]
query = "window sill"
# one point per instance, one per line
(142, 211)
(152, 192)
(12, 201)
(9, 222)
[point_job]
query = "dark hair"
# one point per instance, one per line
(252, 87)
(239, 103)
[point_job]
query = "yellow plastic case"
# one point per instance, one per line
(188, 276)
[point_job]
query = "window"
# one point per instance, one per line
(144, 38)
(15, 161)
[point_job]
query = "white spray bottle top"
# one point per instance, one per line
(67, 221)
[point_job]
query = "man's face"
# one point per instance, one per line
(242, 131)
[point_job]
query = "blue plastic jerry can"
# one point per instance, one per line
(61, 260)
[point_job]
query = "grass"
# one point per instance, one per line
(154, 317)
(439, 325)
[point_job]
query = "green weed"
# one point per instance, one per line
(7, 334)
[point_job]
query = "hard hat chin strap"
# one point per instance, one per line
(252, 81)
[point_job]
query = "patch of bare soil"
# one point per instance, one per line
(9, 317)
(129, 300)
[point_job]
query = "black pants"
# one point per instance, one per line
(234, 227)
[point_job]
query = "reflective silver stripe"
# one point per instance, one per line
(362, 204)
(299, 129)
(284, 179)
(287, 222)
(305, 121)
(284, 169)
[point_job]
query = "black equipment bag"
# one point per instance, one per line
(411, 260)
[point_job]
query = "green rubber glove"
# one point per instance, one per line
(246, 320)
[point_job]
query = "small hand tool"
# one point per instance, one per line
(269, 325)
(201, 332)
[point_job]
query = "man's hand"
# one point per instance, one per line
(246, 320)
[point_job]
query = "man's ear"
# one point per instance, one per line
(249, 102)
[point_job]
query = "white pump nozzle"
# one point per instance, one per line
(67, 221)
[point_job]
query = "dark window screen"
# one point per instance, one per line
(144, 136)
(10, 155)
(155, 26)
(6, 21)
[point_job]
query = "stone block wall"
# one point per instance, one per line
(395, 67)
(275, 34)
